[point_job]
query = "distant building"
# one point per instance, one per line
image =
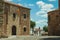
(54, 22)
(14, 19)
(37, 31)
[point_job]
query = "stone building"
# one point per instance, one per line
(14, 19)
(37, 31)
(54, 22)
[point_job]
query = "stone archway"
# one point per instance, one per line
(13, 30)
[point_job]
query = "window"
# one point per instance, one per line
(25, 16)
(24, 29)
(14, 15)
(56, 16)
(1, 19)
(49, 17)
(1, 7)
(59, 12)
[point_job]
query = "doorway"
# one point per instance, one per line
(13, 30)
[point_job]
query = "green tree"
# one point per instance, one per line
(32, 25)
(45, 28)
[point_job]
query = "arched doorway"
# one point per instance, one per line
(14, 30)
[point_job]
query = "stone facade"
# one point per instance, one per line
(14, 20)
(54, 23)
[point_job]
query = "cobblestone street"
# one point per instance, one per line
(32, 38)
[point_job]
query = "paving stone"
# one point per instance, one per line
(32, 38)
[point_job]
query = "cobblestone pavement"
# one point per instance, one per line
(32, 38)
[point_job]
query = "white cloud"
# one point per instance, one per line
(44, 16)
(47, 7)
(41, 21)
(31, 4)
(40, 3)
(32, 19)
(28, 5)
(44, 6)
(52, 0)
(40, 12)
(44, 9)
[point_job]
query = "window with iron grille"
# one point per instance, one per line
(24, 16)
(24, 29)
(14, 16)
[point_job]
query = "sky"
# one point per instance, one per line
(39, 9)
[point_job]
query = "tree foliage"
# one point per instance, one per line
(32, 24)
(45, 28)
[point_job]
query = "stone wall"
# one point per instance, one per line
(19, 21)
(53, 23)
